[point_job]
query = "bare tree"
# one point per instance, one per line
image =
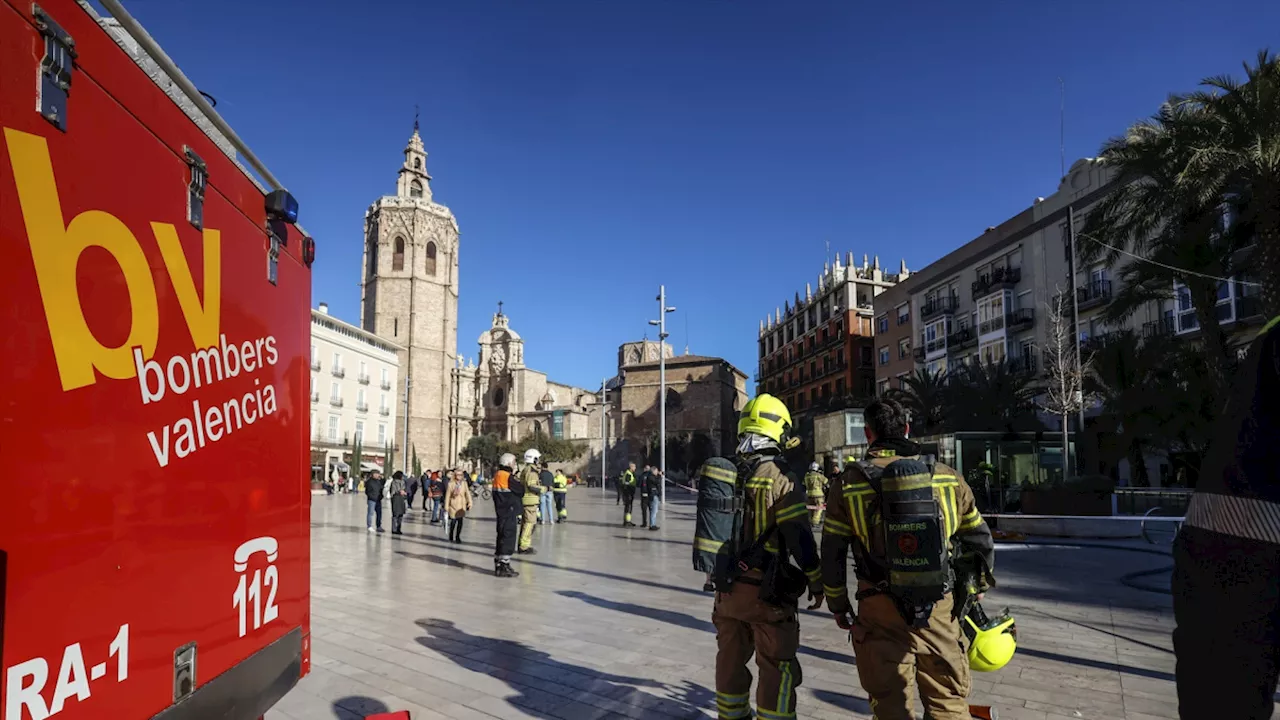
(1064, 391)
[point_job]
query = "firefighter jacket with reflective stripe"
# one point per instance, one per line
(771, 495)
(1237, 493)
(853, 520)
(561, 483)
(815, 484)
(532, 487)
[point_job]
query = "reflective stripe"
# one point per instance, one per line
(706, 545)
(949, 508)
(835, 527)
(721, 474)
(971, 520)
(785, 702)
(760, 483)
(910, 482)
(790, 513)
(814, 574)
(834, 592)
(1235, 516)
(774, 715)
(733, 707)
(1270, 324)
(857, 511)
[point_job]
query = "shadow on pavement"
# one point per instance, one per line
(645, 538)
(1087, 626)
(844, 702)
(684, 620)
(1099, 664)
(358, 706)
(547, 688)
(447, 562)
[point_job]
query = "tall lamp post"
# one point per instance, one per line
(604, 437)
(661, 322)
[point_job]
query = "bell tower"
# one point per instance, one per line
(410, 296)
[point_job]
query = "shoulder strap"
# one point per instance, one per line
(873, 473)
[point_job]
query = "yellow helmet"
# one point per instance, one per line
(765, 415)
(991, 643)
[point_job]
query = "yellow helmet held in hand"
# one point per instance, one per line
(991, 642)
(765, 415)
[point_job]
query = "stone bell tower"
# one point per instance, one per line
(410, 297)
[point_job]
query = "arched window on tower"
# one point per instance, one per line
(373, 258)
(415, 189)
(431, 258)
(397, 256)
(417, 163)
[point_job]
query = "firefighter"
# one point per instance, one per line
(898, 642)
(773, 527)
(628, 485)
(529, 478)
(815, 486)
(1226, 589)
(561, 490)
(507, 494)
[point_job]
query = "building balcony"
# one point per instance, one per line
(995, 324)
(324, 440)
(1020, 319)
(363, 379)
(315, 396)
(335, 401)
(385, 384)
(1247, 306)
(338, 372)
(938, 307)
(1160, 328)
(362, 407)
(1098, 341)
(315, 364)
(1022, 365)
(384, 411)
(936, 345)
(917, 354)
(1093, 294)
(961, 338)
(999, 279)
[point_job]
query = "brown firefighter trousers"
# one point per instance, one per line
(744, 626)
(893, 658)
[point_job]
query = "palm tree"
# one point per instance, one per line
(1242, 162)
(991, 397)
(1158, 212)
(926, 396)
(1125, 376)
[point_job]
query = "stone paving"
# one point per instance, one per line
(607, 622)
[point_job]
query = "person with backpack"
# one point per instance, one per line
(746, 539)
(815, 486)
(901, 514)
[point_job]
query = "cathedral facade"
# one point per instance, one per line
(410, 297)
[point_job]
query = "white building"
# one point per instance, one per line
(355, 384)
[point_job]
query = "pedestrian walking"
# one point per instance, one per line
(436, 490)
(654, 492)
(627, 485)
(399, 502)
(373, 489)
(508, 494)
(756, 611)
(906, 631)
(546, 510)
(646, 481)
(412, 486)
(457, 503)
(1226, 589)
(561, 491)
(532, 498)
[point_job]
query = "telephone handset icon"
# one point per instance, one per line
(263, 544)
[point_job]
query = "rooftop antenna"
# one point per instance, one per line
(686, 333)
(1062, 127)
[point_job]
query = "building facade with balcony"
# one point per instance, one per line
(821, 346)
(896, 352)
(355, 385)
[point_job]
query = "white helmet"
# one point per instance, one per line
(813, 467)
(507, 460)
(531, 455)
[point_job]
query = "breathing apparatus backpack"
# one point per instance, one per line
(719, 522)
(916, 568)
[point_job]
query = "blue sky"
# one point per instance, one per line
(592, 149)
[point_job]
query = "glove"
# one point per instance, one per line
(844, 621)
(816, 595)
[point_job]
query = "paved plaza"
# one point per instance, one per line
(607, 622)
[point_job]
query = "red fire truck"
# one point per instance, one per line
(154, 503)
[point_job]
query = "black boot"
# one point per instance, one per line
(505, 571)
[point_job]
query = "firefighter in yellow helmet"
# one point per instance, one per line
(533, 490)
(815, 485)
(902, 515)
(756, 613)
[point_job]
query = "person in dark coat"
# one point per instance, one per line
(399, 502)
(373, 488)
(411, 485)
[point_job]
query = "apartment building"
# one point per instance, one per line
(895, 335)
(987, 300)
(821, 346)
(354, 388)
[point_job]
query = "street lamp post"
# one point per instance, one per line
(661, 322)
(604, 437)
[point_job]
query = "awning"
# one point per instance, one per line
(368, 466)
(341, 466)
